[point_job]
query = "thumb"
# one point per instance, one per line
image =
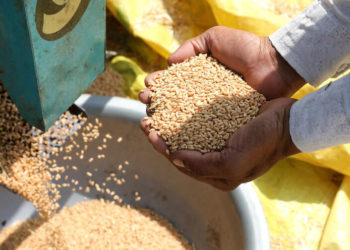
(192, 47)
(202, 165)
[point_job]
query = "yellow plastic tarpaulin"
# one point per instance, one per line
(163, 24)
(132, 74)
(297, 198)
(262, 17)
(337, 234)
(297, 195)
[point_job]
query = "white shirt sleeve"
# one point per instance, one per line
(317, 45)
(321, 119)
(317, 42)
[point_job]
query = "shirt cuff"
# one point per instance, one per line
(321, 119)
(316, 43)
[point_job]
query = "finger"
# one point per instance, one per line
(190, 48)
(145, 125)
(203, 165)
(144, 96)
(274, 103)
(151, 77)
(265, 107)
(158, 143)
(217, 183)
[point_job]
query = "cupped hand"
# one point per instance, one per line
(249, 153)
(256, 146)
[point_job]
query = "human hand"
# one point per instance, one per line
(250, 151)
(254, 148)
(251, 56)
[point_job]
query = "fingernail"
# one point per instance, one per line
(178, 163)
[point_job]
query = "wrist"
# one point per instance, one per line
(282, 70)
(288, 147)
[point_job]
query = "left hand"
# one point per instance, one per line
(251, 150)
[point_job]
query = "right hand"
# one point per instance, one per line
(251, 56)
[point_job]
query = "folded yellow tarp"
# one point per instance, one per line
(337, 234)
(132, 74)
(163, 24)
(262, 17)
(297, 196)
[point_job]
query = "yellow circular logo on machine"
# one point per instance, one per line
(55, 18)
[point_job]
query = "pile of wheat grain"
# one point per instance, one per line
(198, 104)
(95, 225)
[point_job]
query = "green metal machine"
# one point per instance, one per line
(50, 52)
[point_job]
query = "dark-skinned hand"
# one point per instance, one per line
(263, 141)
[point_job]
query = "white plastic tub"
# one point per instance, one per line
(209, 218)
